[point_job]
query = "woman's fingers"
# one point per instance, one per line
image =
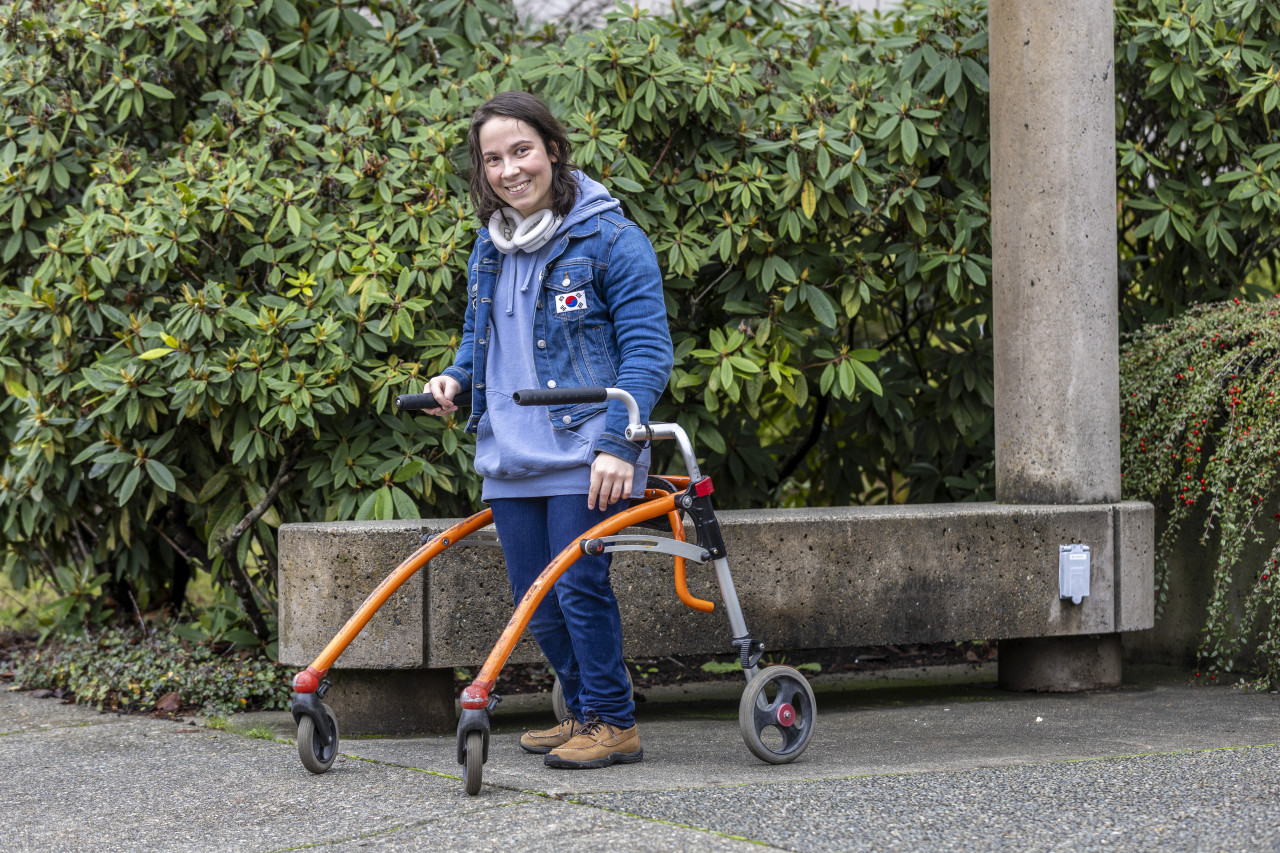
(443, 388)
(611, 481)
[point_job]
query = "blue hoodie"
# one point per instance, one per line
(518, 452)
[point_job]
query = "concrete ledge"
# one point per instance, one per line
(807, 578)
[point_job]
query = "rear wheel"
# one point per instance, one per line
(776, 714)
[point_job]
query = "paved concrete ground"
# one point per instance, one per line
(940, 760)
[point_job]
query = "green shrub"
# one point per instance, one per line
(1199, 155)
(1200, 433)
(230, 232)
(124, 670)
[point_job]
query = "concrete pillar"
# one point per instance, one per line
(1054, 283)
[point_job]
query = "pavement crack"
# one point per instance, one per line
(395, 829)
(703, 829)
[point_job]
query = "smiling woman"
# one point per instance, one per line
(563, 291)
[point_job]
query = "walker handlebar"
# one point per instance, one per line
(416, 402)
(553, 396)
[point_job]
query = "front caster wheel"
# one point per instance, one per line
(315, 755)
(561, 707)
(473, 770)
(776, 714)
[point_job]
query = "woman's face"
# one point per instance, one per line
(517, 164)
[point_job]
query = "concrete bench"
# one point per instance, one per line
(806, 578)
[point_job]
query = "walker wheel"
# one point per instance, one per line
(315, 756)
(776, 714)
(473, 770)
(561, 707)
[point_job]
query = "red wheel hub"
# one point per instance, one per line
(786, 715)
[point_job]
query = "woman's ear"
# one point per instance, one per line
(553, 152)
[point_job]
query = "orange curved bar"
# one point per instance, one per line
(682, 585)
(524, 611)
(403, 572)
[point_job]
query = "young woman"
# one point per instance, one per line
(563, 291)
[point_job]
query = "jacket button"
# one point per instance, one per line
(551, 383)
(566, 419)
(542, 344)
(480, 342)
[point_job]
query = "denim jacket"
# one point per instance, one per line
(620, 339)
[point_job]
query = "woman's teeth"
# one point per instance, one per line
(518, 187)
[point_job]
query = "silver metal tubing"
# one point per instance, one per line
(633, 411)
(730, 598)
(639, 432)
(686, 446)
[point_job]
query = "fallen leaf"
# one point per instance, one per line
(170, 701)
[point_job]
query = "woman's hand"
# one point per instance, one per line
(443, 388)
(611, 480)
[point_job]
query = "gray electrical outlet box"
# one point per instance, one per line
(1073, 572)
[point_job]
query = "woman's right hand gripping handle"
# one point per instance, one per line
(441, 396)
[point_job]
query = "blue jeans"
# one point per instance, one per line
(577, 625)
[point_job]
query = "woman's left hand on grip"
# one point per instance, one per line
(611, 480)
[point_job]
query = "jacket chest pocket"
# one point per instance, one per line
(570, 293)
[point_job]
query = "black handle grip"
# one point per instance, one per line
(416, 402)
(552, 396)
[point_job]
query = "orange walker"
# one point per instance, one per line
(776, 713)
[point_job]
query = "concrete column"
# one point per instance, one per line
(1055, 323)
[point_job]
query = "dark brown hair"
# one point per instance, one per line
(526, 108)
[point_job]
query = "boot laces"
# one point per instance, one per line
(592, 725)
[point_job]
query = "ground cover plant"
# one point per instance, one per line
(231, 232)
(129, 669)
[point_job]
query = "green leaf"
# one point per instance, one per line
(161, 476)
(866, 377)
(824, 309)
(192, 31)
(130, 484)
(383, 506)
(157, 90)
(910, 140)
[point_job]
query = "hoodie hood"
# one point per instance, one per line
(593, 200)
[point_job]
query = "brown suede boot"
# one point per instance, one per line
(597, 744)
(542, 742)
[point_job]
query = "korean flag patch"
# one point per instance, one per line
(576, 301)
